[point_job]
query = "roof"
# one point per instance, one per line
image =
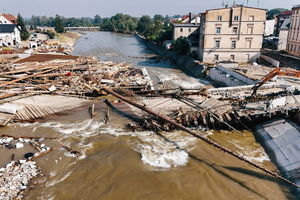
(185, 25)
(286, 13)
(7, 28)
(237, 7)
(286, 24)
(10, 17)
(296, 6)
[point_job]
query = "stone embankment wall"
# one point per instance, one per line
(186, 63)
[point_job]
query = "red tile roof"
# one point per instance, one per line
(11, 18)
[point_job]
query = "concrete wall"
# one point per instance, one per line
(185, 63)
(240, 57)
(282, 40)
(229, 78)
(274, 62)
(250, 24)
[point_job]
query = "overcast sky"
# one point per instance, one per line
(106, 8)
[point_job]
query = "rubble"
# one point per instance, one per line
(15, 178)
(64, 77)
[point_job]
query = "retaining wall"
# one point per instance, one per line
(185, 63)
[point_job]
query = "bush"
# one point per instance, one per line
(182, 46)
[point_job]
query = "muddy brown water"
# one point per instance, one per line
(118, 164)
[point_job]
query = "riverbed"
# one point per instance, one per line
(119, 164)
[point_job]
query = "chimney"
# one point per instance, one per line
(190, 18)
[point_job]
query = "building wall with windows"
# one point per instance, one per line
(293, 44)
(184, 30)
(233, 33)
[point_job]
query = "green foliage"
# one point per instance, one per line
(67, 22)
(119, 23)
(272, 13)
(165, 34)
(146, 27)
(97, 20)
(58, 25)
(182, 46)
(23, 31)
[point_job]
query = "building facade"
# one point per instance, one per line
(9, 35)
(293, 44)
(231, 34)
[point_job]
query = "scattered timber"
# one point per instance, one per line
(208, 141)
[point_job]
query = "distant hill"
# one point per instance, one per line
(272, 13)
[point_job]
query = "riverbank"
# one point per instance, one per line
(69, 38)
(185, 63)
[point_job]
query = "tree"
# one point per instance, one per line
(23, 31)
(145, 27)
(58, 25)
(97, 20)
(182, 46)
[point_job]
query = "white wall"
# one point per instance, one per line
(3, 20)
(270, 27)
(282, 40)
(10, 37)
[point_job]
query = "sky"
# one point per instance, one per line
(107, 8)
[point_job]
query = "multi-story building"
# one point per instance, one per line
(293, 44)
(232, 33)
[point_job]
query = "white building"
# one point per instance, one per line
(9, 35)
(270, 27)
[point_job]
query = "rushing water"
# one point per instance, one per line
(117, 164)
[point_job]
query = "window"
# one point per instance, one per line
(236, 18)
(248, 57)
(251, 18)
(216, 57)
(217, 44)
(233, 44)
(248, 43)
(219, 18)
(218, 30)
(235, 30)
(190, 30)
(232, 57)
(181, 29)
(250, 29)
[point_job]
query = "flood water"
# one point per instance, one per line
(143, 165)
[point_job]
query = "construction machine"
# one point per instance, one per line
(275, 72)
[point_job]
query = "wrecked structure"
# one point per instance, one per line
(42, 85)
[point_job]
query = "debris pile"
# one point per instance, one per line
(67, 77)
(15, 178)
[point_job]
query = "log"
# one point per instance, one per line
(26, 77)
(206, 140)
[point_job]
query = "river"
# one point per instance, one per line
(121, 165)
